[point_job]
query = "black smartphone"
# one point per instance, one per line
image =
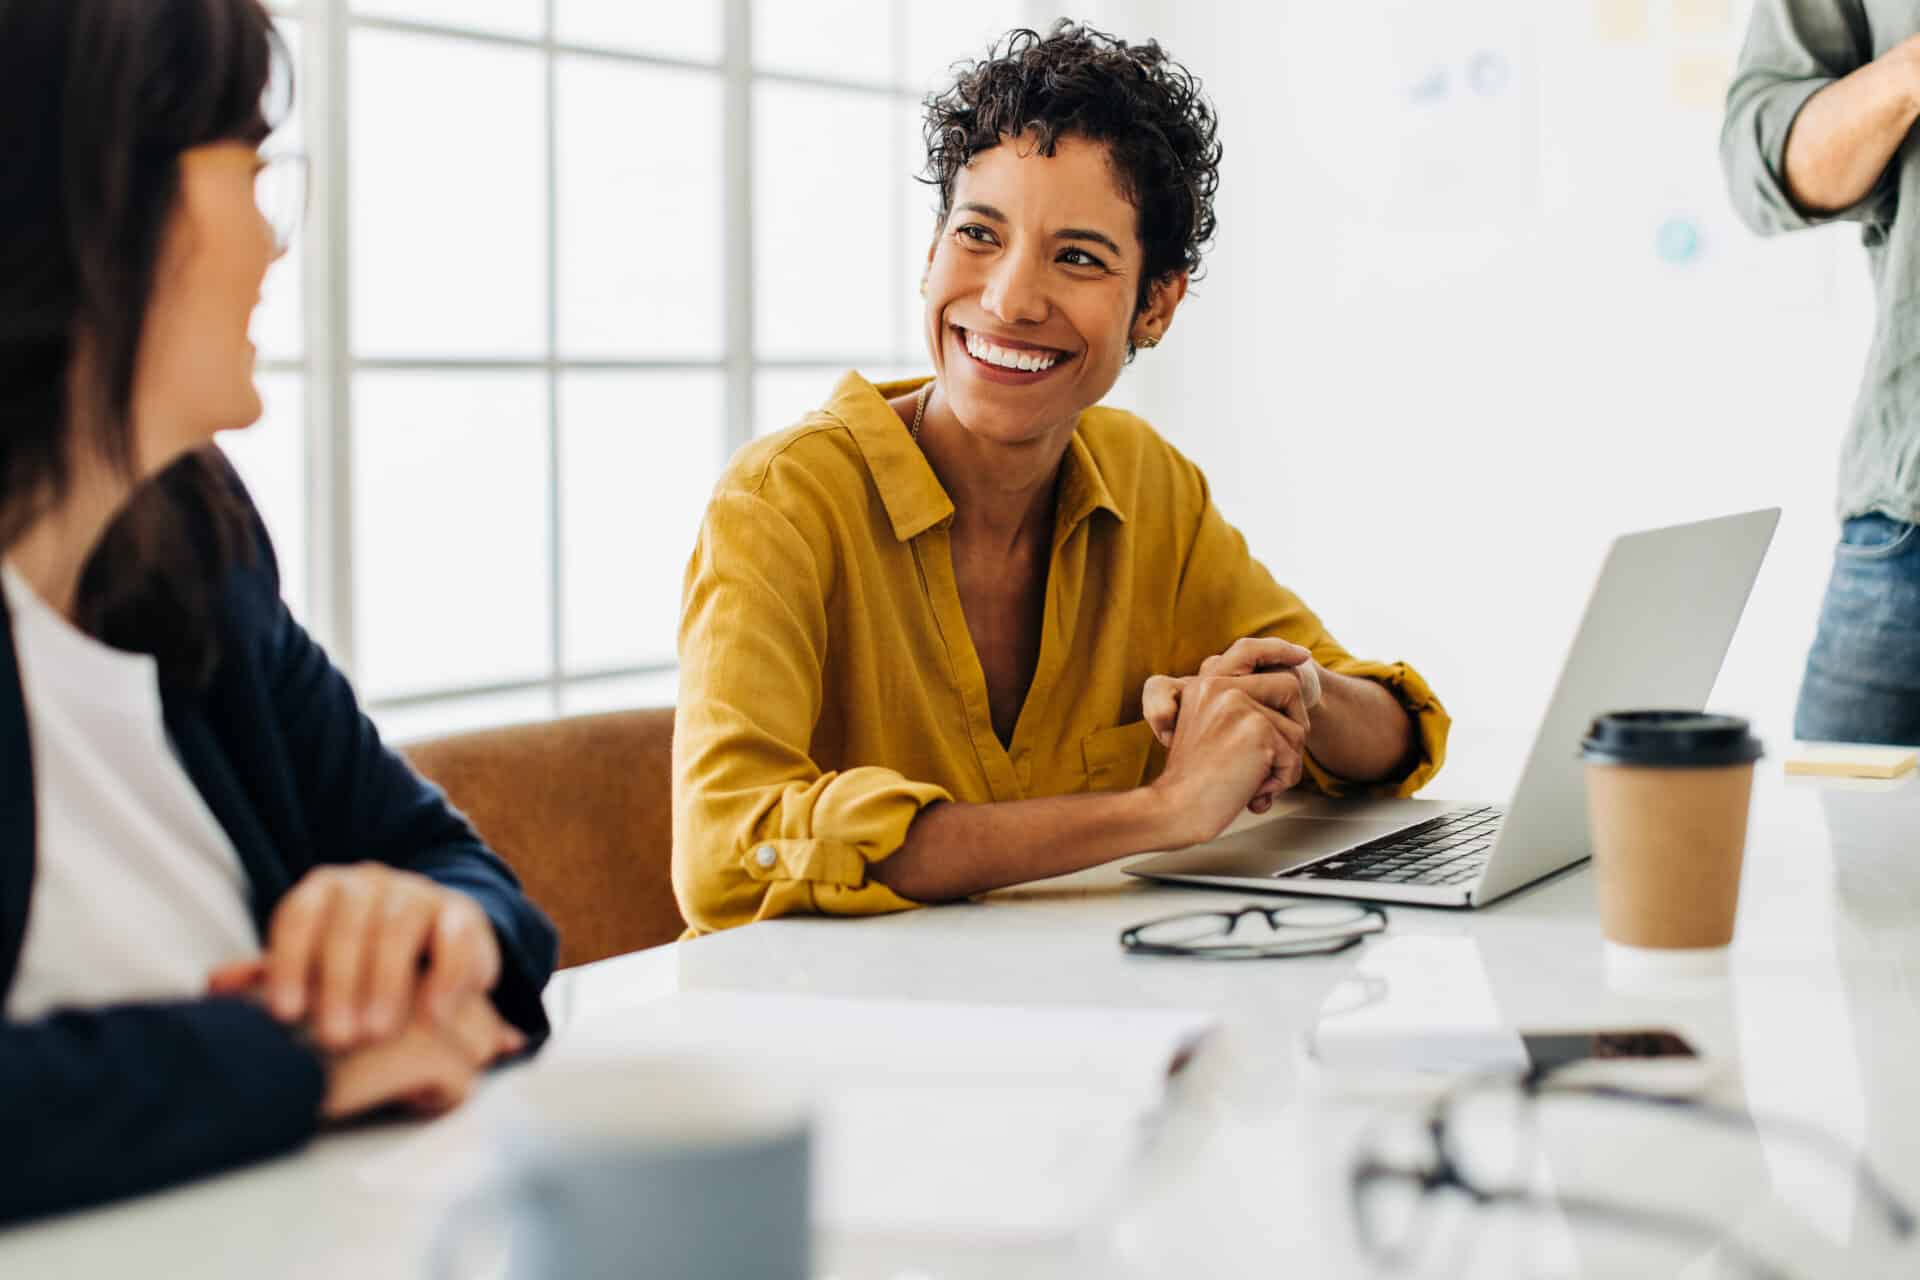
(1551, 1050)
(1647, 1059)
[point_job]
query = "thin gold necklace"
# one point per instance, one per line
(920, 409)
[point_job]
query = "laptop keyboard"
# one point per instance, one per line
(1450, 849)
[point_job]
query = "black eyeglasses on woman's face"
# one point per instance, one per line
(1257, 932)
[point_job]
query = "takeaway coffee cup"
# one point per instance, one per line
(1667, 799)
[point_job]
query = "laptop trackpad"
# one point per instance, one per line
(1287, 842)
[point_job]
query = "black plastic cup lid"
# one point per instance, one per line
(1670, 738)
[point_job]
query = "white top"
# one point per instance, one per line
(137, 891)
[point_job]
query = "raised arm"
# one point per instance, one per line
(1845, 135)
(1813, 118)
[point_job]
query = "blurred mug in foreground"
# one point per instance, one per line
(1667, 800)
(668, 1170)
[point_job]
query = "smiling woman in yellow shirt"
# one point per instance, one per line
(957, 633)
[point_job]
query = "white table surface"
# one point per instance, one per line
(1244, 1172)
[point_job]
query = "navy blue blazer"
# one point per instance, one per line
(103, 1103)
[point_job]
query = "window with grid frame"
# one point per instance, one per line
(562, 257)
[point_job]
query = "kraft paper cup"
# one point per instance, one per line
(1668, 793)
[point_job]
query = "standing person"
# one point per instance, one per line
(1817, 126)
(966, 631)
(228, 914)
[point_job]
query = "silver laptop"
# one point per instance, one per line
(1656, 629)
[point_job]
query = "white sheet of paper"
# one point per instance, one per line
(834, 1042)
(932, 1119)
(1006, 1164)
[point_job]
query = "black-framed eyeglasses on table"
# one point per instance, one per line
(1257, 932)
(1474, 1142)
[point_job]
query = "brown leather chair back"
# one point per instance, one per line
(581, 808)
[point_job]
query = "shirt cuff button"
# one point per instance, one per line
(765, 855)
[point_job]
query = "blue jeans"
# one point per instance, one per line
(1863, 675)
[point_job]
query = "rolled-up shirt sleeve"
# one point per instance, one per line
(760, 830)
(1430, 724)
(1793, 50)
(1225, 594)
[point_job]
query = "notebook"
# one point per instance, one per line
(1850, 760)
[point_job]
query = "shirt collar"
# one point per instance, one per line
(913, 495)
(1083, 489)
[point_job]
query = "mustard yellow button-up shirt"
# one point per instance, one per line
(829, 688)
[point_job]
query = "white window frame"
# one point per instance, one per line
(328, 363)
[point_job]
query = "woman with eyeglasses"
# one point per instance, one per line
(228, 914)
(967, 631)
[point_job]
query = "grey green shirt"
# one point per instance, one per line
(1794, 49)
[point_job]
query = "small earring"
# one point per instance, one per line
(1147, 342)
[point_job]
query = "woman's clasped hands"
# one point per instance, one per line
(388, 975)
(1235, 731)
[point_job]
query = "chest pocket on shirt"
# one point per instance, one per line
(1117, 757)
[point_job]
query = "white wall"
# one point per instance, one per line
(1435, 365)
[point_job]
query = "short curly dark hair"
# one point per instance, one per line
(1148, 110)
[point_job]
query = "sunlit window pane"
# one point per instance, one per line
(448, 195)
(442, 716)
(639, 454)
(879, 373)
(508, 17)
(271, 457)
(919, 206)
(449, 256)
(640, 224)
(685, 29)
(621, 693)
(277, 328)
(450, 540)
(939, 35)
(827, 271)
(781, 397)
(839, 39)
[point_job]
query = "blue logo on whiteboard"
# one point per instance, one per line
(1678, 241)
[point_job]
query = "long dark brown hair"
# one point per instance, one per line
(98, 98)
